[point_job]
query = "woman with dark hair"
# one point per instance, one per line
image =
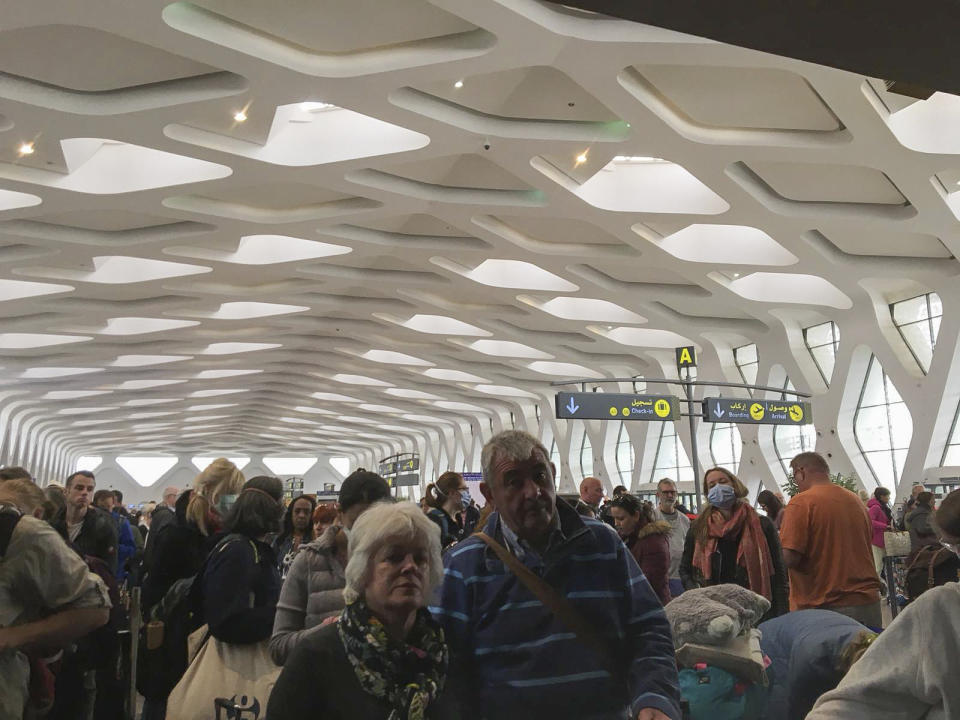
(240, 583)
(297, 530)
(448, 498)
(772, 506)
(730, 543)
(880, 516)
(313, 590)
(647, 539)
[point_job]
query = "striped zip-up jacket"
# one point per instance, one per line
(523, 662)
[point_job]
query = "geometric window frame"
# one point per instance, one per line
(919, 333)
(879, 438)
(833, 343)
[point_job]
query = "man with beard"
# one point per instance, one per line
(668, 511)
(547, 611)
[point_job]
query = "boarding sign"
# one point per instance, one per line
(757, 412)
(616, 406)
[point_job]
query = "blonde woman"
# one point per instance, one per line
(730, 543)
(180, 550)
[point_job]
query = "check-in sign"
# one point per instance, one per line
(757, 412)
(616, 406)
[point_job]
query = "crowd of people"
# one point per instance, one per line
(530, 607)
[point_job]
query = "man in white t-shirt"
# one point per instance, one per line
(679, 525)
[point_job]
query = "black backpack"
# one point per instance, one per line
(9, 517)
(932, 566)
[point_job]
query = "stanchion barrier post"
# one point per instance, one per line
(134, 648)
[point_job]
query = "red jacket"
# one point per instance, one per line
(878, 520)
(650, 546)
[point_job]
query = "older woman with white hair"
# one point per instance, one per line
(386, 658)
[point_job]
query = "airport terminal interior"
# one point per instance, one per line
(312, 238)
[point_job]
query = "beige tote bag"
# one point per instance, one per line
(243, 675)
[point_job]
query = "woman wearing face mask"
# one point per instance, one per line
(386, 658)
(312, 593)
(448, 498)
(730, 543)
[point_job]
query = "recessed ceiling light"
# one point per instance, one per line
(240, 116)
(458, 84)
(311, 106)
(25, 149)
(581, 158)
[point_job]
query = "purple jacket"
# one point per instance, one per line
(878, 520)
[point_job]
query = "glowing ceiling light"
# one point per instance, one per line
(25, 149)
(312, 106)
(240, 116)
(581, 158)
(458, 84)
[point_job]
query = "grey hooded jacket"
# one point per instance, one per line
(312, 592)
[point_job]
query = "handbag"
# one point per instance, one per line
(224, 676)
(896, 543)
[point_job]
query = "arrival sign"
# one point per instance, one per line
(757, 412)
(615, 406)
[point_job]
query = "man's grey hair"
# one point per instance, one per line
(661, 481)
(384, 523)
(508, 445)
(812, 461)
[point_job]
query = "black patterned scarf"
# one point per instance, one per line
(410, 674)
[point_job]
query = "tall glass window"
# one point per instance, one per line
(951, 453)
(671, 458)
(747, 363)
(918, 320)
(791, 440)
(555, 459)
(725, 445)
(882, 426)
(822, 341)
(586, 455)
(625, 456)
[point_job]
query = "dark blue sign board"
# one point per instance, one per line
(616, 406)
(757, 412)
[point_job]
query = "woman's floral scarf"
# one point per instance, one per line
(410, 674)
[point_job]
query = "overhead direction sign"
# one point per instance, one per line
(757, 412)
(406, 479)
(616, 406)
(390, 469)
(686, 356)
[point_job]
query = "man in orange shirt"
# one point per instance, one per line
(826, 545)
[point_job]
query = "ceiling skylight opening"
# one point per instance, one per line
(393, 358)
(452, 405)
(359, 380)
(787, 288)
(562, 369)
(505, 391)
(84, 410)
(264, 250)
(119, 270)
(146, 470)
(207, 408)
(453, 376)
(144, 384)
(411, 394)
(18, 289)
(289, 465)
(230, 348)
(249, 310)
(513, 274)
(146, 402)
(313, 410)
(88, 462)
(732, 244)
(215, 393)
(584, 309)
(145, 360)
(341, 465)
(203, 462)
(643, 337)
(442, 325)
(508, 348)
(637, 160)
(23, 341)
(373, 408)
(334, 397)
(42, 373)
(73, 394)
(142, 326)
(314, 106)
(217, 374)
(424, 418)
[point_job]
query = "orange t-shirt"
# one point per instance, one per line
(830, 528)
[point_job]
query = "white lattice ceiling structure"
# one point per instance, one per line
(233, 226)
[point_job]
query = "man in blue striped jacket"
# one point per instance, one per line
(520, 660)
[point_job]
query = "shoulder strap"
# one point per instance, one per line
(557, 604)
(9, 517)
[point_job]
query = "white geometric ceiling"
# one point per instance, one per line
(285, 222)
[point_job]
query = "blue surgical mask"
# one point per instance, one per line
(224, 503)
(465, 498)
(722, 496)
